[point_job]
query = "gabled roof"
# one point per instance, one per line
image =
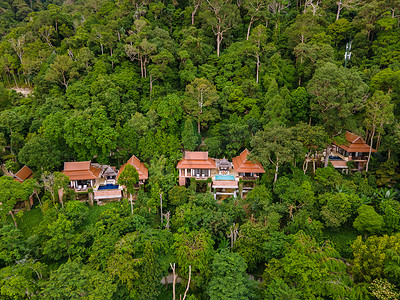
(139, 166)
(23, 174)
(223, 163)
(355, 143)
(242, 165)
(196, 160)
(108, 171)
(81, 170)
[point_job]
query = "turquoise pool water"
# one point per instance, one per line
(224, 177)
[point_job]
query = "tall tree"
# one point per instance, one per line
(348, 4)
(12, 192)
(63, 69)
(256, 11)
(223, 16)
(196, 4)
(201, 96)
(129, 177)
(195, 249)
(276, 145)
(378, 112)
(55, 183)
(256, 45)
(138, 47)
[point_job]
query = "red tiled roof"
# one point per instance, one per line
(107, 194)
(76, 165)
(139, 166)
(338, 163)
(196, 155)
(355, 144)
(23, 174)
(242, 165)
(81, 170)
(196, 160)
(229, 184)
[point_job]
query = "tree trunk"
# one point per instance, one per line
(305, 164)
(276, 170)
(218, 43)
(370, 148)
(313, 164)
(151, 85)
(15, 222)
(328, 152)
(188, 284)
(141, 66)
(161, 209)
(338, 10)
(248, 29)
(130, 198)
(15, 80)
(198, 124)
(258, 66)
(378, 140)
(194, 12)
(174, 281)
(102, 50)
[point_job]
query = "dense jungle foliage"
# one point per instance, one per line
(102, 80)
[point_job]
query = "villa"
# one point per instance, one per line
(101, 179)
(355, 150)
(224, 176)
(99, 182)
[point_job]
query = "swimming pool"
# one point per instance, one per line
(224, 177)
(109, 187)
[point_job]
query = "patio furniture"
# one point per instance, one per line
(79, 187)
(85, 187)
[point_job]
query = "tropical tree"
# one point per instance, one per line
(128, 178)
(276, 146)
(11, 193)
(222, 16)
(62, 70)
(229, 279)
(378, 112)
(195, 249)
(201, 96)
